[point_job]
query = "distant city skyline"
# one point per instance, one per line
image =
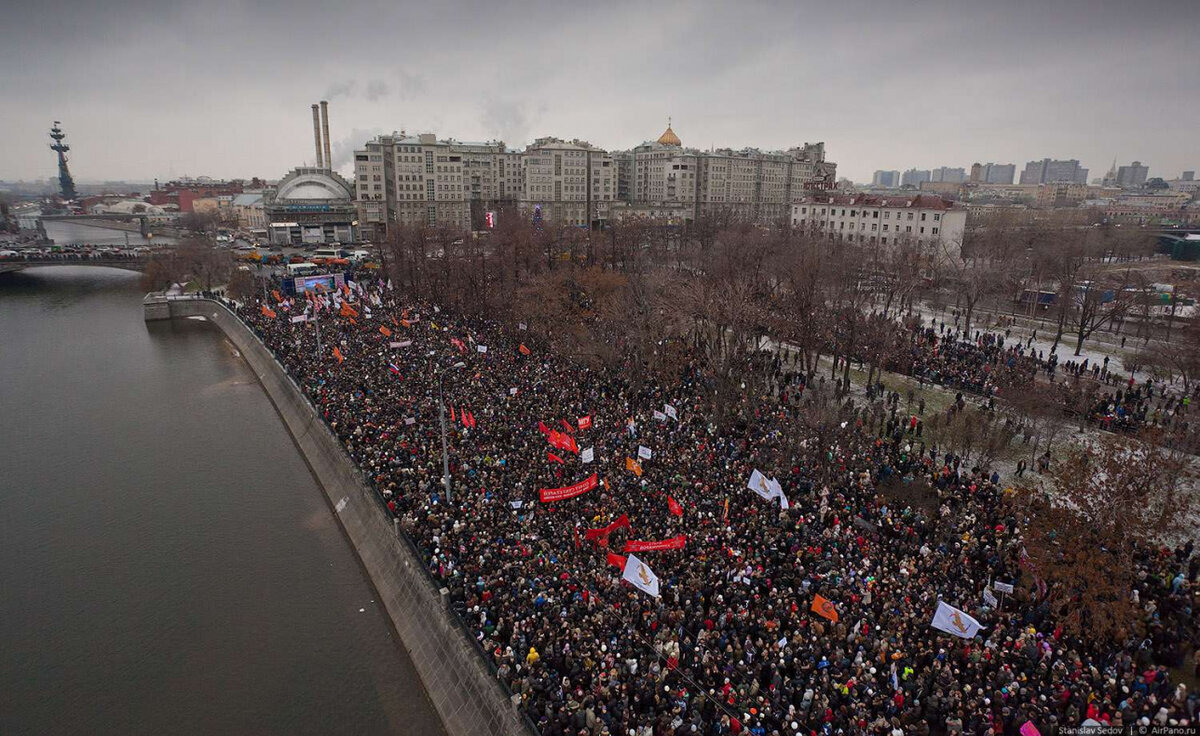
(221, 88)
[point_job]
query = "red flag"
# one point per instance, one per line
(674, 506)
(616, 560)
(543, 428)
(275, 293)
(524, 350)
(452, 418)
(585, 422)
(462, 417)
(555, 458)
(604, 531)
(568, 426)
(471, 417)
(385, 331)
(462, 348)
(267, 311)
(394, 322)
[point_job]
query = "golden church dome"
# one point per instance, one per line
(668, 138)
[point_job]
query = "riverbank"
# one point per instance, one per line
(457, 680)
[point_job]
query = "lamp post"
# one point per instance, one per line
(442, 419)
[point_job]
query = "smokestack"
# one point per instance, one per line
(317, 135)
(325, 130)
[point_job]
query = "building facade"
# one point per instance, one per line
(568, 182)
(311, 205)
(924, 219)
(914, 177)
(886, 179)
(1048, 170)
(1133, 175)
(750, 184)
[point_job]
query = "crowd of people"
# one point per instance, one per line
(731, 645)
(986, 363)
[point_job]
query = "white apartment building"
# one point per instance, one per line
(884, 221)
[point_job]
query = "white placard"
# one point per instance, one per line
(587, 455)
(409, 421)
(481, 348)
(644, 452)
(1003, 587)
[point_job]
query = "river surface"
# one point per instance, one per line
(167, 562)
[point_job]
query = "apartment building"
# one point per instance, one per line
(884, 221)
(568, 182)
(760, 186)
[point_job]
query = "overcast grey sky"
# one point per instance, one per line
(163, 88)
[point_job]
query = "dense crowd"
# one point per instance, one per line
(877, 523)
(985, 364)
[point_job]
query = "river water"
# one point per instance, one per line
(167, 562)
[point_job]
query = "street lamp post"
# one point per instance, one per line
(442, 419)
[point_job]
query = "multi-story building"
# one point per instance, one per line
(1048, 171)
(1133, 175)
(755, 185)
(948, 175)
(411, 179)
(885, 221)
(886, 179)
(311, 205)
(991, 173)
(248, 209)
(568, 182)
(914, 177)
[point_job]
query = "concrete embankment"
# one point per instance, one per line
(466, 695)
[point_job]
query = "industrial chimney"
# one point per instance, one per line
(325, 130)
(317, 135)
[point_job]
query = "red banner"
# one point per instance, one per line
(585, 422)
(550, 495)
(642, 546)
(604, 531)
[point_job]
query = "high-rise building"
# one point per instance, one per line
(886, 179)
(991, 173)
(1133, 175)
(755, 185)
(914, 177)
(948, 175)
(1047, 171)
(1188, 176)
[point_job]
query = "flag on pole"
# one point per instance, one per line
(268, 312)
(523, 350)
(394, 369)
(452, 417)
(674, 507)
(385, 331)
(634, 466)
(824, 607)
(670, 411)
(640, 575)
(660, 416)
(616, 560)
(554, 458)
(338, 354)
(949, 619)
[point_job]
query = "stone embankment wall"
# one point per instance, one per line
(465, 693)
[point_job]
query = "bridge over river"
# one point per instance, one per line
(130, 262)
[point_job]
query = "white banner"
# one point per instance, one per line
(640, 574)
(587, 455)
(301, 318)
(401, 344)
(949, 619)
(644, 452)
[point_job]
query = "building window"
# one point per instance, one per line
(935, 231)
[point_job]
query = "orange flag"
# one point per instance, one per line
(267, 311)
(824, 607)
(275, 293)
(385, 331)
(636, 467)
(338, 354)
(406, 323)
(348, 311)
(524, 350)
